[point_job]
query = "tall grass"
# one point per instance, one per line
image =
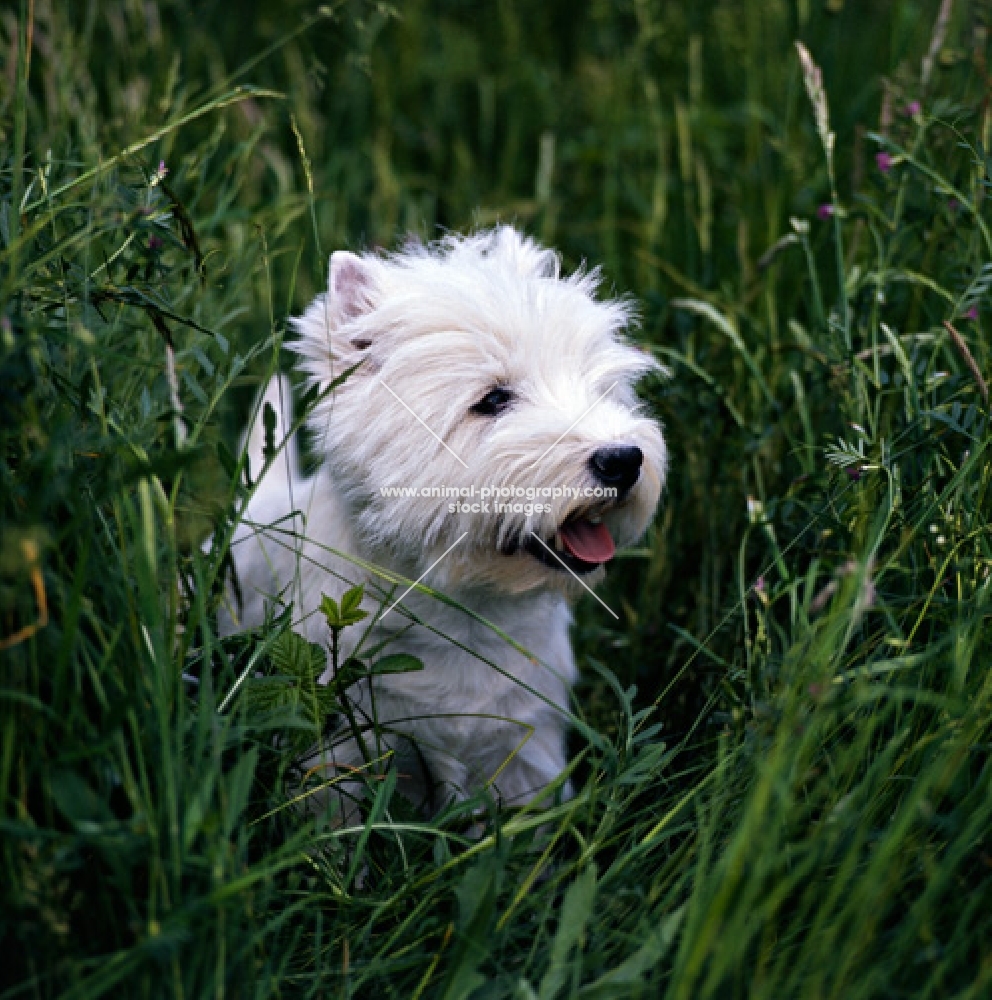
(782, 751)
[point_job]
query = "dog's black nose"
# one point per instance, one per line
(617, 465)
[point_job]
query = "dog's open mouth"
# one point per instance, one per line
(581, 544)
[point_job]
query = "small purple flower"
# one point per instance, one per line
(759, 585)
(154, 243)
(825, 211)
(953, 204)
(162, 168)
(854, 472)
(884, 162)
(972, 314)
(913, 109)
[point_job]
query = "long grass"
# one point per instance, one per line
(782, 749)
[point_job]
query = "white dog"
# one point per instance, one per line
(481, 367)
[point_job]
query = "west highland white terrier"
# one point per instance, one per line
(489, 444)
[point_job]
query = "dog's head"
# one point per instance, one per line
(492, 409)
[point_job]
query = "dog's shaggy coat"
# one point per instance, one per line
(480, 365)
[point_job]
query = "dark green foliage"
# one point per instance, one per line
(781, 751)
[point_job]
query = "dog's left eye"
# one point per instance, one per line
(493, 402)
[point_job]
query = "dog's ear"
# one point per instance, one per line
(352, 288)
(337, 328)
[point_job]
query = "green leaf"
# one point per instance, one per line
(351, 599)
(290, 691)
(353, 618)
(348, 614)
(575, 912)
(295, 657)
(198, 805)
(76, 800)
(476, 894)
(329, 609)
(629, 975)
(350, 671)
(269, 422)
(397, 663)
(238, 787)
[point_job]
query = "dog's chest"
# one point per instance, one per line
(469, 668)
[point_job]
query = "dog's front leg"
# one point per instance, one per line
(526, 771)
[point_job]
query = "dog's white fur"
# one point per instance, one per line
(435, 329)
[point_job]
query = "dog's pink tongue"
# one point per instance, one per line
(589, 542)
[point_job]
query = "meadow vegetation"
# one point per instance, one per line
(781, 750)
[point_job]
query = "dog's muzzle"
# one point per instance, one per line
(582, 542)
